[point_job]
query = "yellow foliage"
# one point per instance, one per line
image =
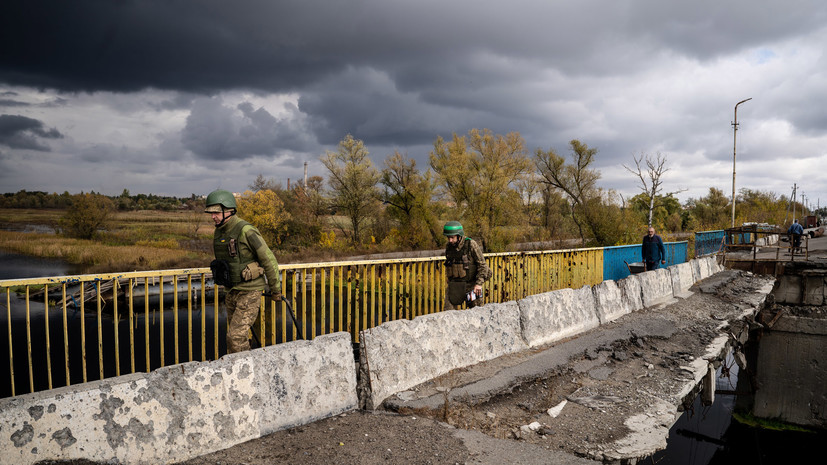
(327, 240)
(265, 210)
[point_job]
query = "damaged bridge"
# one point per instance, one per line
(573, 376)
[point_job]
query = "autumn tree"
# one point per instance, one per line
(261, 183)
(408, 195)
(87, 214)
(309, 208)
(265, 210)
(649, 171)
(665, 211)
(579, 184)
(761, 207)
(710, 212)
(478, 173)
(353, 182)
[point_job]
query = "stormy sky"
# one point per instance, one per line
(182, 97)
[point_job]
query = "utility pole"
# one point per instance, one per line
(795, 195)
(305, 175)
(734, 138)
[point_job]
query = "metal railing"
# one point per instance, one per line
(70, 329)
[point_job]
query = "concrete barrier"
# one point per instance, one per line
(182, 411)
(682, 279)
(555, 315)
(609, 302)
(656, 287)
(632, 292)
(712, 264)
(401, 354)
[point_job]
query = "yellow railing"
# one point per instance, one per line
(70, 329)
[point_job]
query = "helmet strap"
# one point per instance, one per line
(225, 216)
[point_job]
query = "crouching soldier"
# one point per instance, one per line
(242, 262)
(465, 268)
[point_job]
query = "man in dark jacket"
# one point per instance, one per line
(795, 233)
(653, 250)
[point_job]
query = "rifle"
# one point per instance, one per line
(289, 310)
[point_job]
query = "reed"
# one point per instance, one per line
(144, 255)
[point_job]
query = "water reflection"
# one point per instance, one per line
(18, 266)
(709, 435)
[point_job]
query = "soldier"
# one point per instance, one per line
(465, 268)
(242, 262)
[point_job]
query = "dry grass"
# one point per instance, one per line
(101, 257)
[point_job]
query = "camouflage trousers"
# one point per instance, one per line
(242, 311)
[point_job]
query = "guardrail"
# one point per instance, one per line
(70, 329)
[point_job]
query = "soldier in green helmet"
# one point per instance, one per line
(243, 264)
(465, 268)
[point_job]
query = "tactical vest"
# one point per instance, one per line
(226, 247)
(459, 264)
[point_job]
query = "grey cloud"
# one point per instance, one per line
(21, 132)
(12, 103)
(215, 131)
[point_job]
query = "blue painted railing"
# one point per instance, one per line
(709, 242)
(615, 258)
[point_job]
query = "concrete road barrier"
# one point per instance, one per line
(182, 411)
(632, 292)
(555, 315)
(401, 354)
(656, 287)
(682, 279)
(609, 302)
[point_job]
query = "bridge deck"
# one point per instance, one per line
(624, 384)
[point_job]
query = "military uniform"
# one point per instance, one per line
(465, 268)
(250, 260)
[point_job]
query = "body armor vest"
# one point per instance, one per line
(226, 247)
(459, 264)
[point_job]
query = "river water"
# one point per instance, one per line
(703, 435)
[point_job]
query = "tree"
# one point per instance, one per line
(353, 180)
(408, 194)
(478, 174)
(650, 177)
(265, 210)
(308, 208)
(261, 184)
(578, 182)
(87, 214)
(712, 211)
(666, 213)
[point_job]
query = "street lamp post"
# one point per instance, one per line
(734, 138)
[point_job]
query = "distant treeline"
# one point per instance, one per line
(123, 202)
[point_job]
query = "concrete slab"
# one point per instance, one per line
(609, 301)
(682, 279)
(400, 354)
(656, 286)
(182, 411)
(556, 315)
(632, 292)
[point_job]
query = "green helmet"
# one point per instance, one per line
(220, 200)
(452, 228)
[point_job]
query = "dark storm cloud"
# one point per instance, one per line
(210, 45)
(20, 132)
(215, 131)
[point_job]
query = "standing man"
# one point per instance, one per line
(465, 268)
(795, 233)
(652, 250)
(242, 262)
